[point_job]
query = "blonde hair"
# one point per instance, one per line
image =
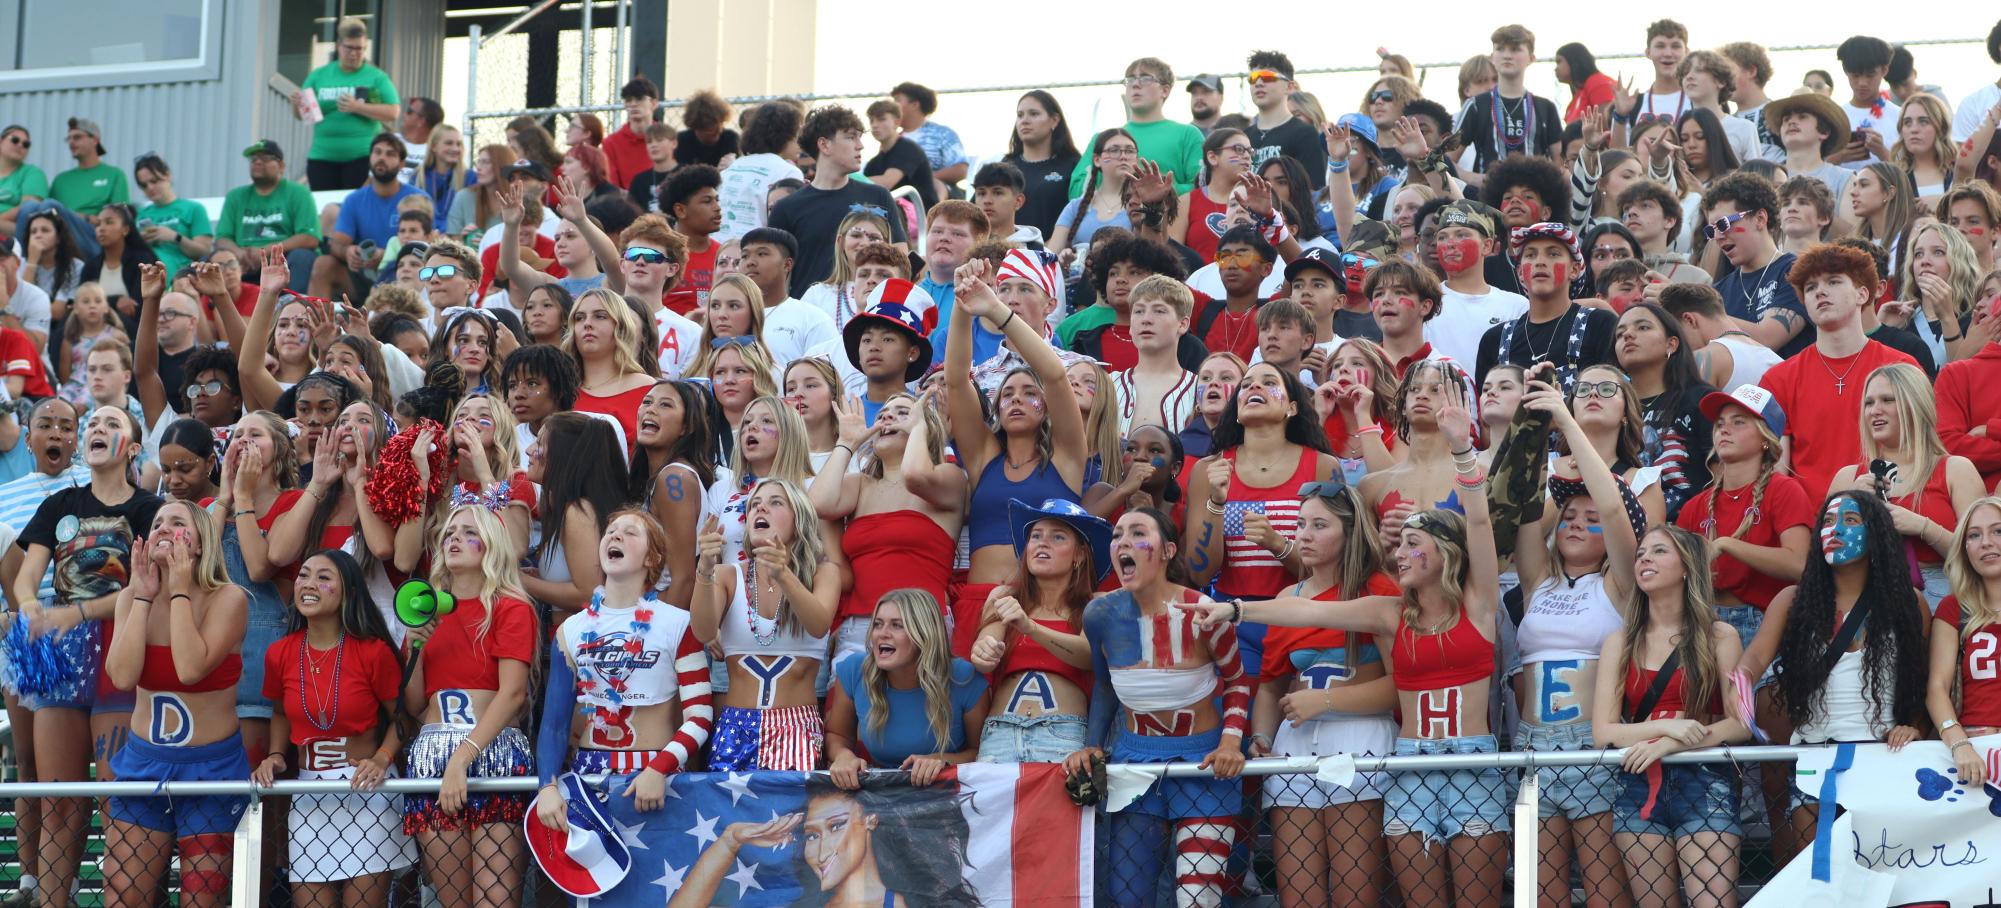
(756, 356)
(923, 619)
(73, 327)
(1447, 530)
(284, 463)
(792, 462)
(208, 568)
(820, 365)
(1943, 148)
(1402, 91)
(1768, 464)
(1917, 423)
(1965, 278)
(1309, 104)
(1701, 677)
(705, 356)
(1475, 69)
(1101, 424)
(499, 568)
(844, 268)
(1382, 375)
(803, 557)
(1975, 612)
(457, 177)
(1166, 289)
(934, 435)
(626, 331)
(503, 451)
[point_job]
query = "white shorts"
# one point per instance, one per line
(1373, 735)
(342, 836)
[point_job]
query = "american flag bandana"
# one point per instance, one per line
(1034, 266)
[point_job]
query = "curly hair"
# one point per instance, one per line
(1893, 651)
(826, 123)
(1537, 175)
(1718, 66)
(1150, 256)
(773, 126)
(1830, 258)
(705, 110)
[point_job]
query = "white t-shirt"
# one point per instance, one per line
(1669, 106)
(1973, 111)
(31, 305)
(791, 328)
(835, 350)
(1743, 136)
(680, 341)
(1464, 319)
(745, 185)
(1881, 118)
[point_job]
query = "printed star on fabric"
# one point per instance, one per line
(705, 830)
(738, 787)
(672, 879)
(630, 833)
(746, 878)
(668, 789)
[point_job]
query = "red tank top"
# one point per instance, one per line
(159, 676)
(1460, 655)
(1673, 701)
(622, 407)
(1205, 224)
(1249, 569)
(1979, 686)
(1934, 502)
(1026, 655)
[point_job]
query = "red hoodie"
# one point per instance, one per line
(1962, 407)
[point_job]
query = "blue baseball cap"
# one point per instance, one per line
(1363, 127)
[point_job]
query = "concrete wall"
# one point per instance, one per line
(753, 47)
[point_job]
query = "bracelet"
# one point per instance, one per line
(142, 599)
(1213, 507)
(1475, 482)
(276, 754)
(1290, 544)
(1005, 321)
(1466, 453)
(1372, 430)
(1340, 166)
(317, 494)
(239, 513)
(839, 446)
(1959, 745)
(708, 576)
(1236, 611)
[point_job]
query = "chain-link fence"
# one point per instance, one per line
(1450, 829)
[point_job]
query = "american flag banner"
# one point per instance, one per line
(992, 835)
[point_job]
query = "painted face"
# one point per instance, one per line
(105, 436)
(1019, 406)
(1140, 553)
(174, 525)
(186, 475)
(1459, 249)
(317, 591)
(1218, 380)
(472, 345)
(1149, 444)
(758, 434)
(1844, 538)
(734, 382)
(464, 549)
(1262, 395)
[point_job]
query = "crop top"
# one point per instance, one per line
(458, 658)
(1025, 654)
(986, 513)
(1318, 655)
(740, 629)
(158, 675)
(1568, 619)
(1148, 647)
(610, 661)
(624, 655)
(367, 671)
(1673, 695)
(907, 730)
(1460, 655)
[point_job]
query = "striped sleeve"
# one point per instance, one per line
(1236, 684)
(698, 715)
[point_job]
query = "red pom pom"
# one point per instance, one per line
(393, 489)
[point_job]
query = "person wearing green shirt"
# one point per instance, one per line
(270, 211)
(1176, 147)
(20, 181)
(79, 193)
(176, 229)
(355, 99)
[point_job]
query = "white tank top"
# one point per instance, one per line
(1844, 712)
(1568, 620)
(1750, 360)
(745, 633)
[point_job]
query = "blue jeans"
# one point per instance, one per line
(1031, 739)
(1574, 792)
(80, 227)
(1692, 798)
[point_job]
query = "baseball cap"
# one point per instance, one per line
(90, 128)
(1520, 237)
(1362, 127)
(1209, 81)
(264, 146)
(528, 167)
(1750, 397)
(1375, 239)
(1468, 214)
(1314, 258)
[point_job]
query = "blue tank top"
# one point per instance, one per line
(986, 518)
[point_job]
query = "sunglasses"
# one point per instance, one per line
(649, 256)
(430, 271)
(1721, 225)
(1241, 258)
(1330, 489)
(738, 340)
(1356, 259)
(1261, 76)
(1605, 389)
(1382, 95)
(21, 141)
(209, 388)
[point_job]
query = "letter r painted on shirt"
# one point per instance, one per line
(1438, 713)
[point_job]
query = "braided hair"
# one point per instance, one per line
(1091, 182)
(1768, 463)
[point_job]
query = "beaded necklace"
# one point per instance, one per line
(322, 720)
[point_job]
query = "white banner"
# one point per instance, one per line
(1913, 836)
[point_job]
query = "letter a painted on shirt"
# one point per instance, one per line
(172, 724)
(1438, 713)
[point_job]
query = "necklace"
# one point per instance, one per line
(1750, 288)
(322, 719)
(590, 680)
(1233, 327)
(754, 614)
(1841, 380)
(1555, 331)
(1120, 334)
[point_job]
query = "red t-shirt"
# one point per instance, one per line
(1824, 424)
(1116, 350)
(1282, 642)
(1597, 90)
(457, 657)
(18, 356)
(693, 291)
(1234, 332)
(1979, 680)
(625, 156)
(489, 265)
(1785, 506)
(369, 674)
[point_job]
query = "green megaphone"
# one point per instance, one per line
(418, 602)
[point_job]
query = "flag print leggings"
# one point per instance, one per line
(1195, 818)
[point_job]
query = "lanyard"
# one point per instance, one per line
(1501, 141)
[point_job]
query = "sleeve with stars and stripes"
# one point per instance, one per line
(691, 670)
(1230, 671)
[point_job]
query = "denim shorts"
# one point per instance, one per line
(1573, 792)
(1031, 739)
(1747, 620)
(1937, 587)
(1693, 798)
(1445, 805)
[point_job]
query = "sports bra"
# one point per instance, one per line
(1028, 655)
(159, 676)
(1673, 694)
(1568, 619)
(986, 514)
(1460, 655)
(744, 633)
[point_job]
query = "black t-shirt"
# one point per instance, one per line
(645, 189)
(1476, 130)
(907, 157)
(90, 542)
(1293, 139)
(1349, 323)
(812, 215)
(1048, 183)
(171, 371)
(691, 150)
(1907, 342)
(1541, 342)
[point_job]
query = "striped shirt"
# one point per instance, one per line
(21, 498)
(1177, 403)
(1249, 569)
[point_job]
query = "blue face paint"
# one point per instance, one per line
(1840, 542)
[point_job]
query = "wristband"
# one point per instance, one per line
(1276, 230)
(1949, 723)
(1372, 430)
(1236, 611)
(1340, 166)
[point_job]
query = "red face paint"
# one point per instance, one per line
(1460, 255)
(1976, 231)
(1561, 271)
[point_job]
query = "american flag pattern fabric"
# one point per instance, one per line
(778, 738)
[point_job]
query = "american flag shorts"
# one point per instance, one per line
(780, 738)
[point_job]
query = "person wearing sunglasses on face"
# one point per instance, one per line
(1274, 132)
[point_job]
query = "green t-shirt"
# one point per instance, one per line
(251, 220)
(1176, 147)
(181, 216)
(1095, 315)
(26, 180)
(344, 136)
(87, 190)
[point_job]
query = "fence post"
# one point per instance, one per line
(618, 71)
(247, 866)
(472, 78)
(1528, 829)
(585, 90)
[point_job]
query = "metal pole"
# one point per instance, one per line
(472, 79)
(584, 90)
(522, 19)
(619, 75)
(248, 853)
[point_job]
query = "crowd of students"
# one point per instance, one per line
(1396, 432)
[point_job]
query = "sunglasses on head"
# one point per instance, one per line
(1721, 225)
(649, 256)
(430, 271)
(1333, 487)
